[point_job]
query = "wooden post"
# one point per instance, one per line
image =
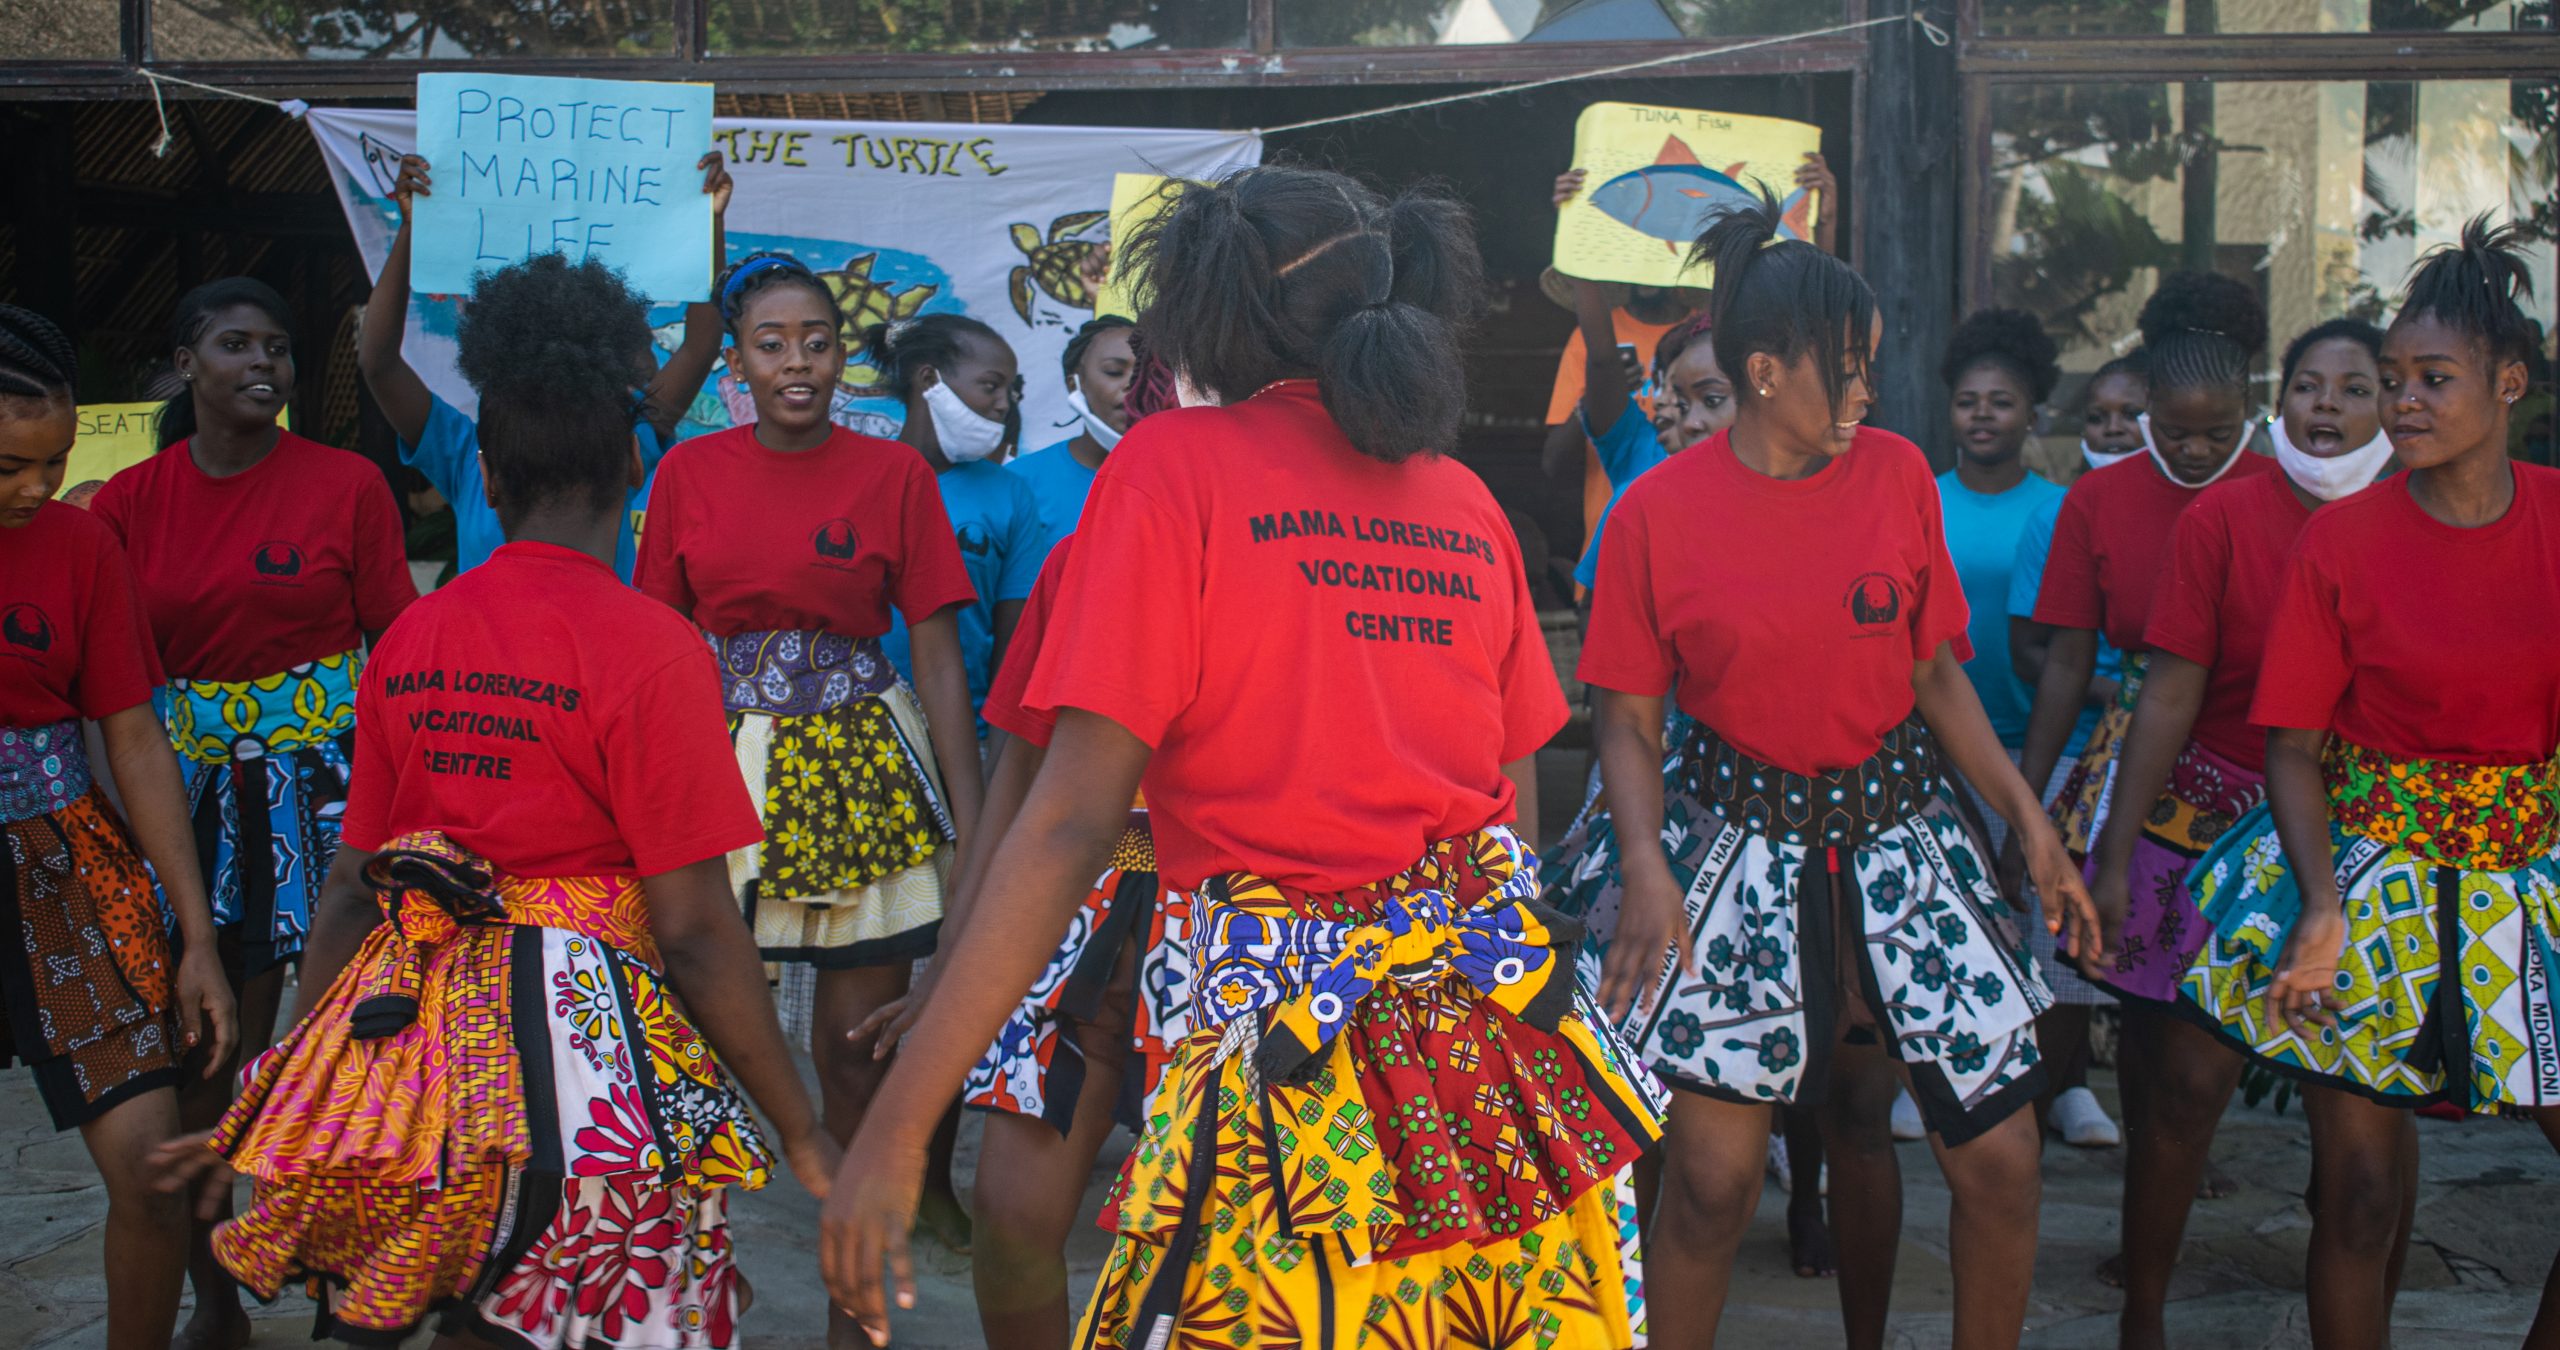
(1911, 128)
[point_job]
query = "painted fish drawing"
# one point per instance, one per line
(1674, 198)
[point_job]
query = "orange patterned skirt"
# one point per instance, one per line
(498, 1114)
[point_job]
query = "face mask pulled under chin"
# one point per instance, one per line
(965, 434)
(1102, 432)
(2163, 460)
(2099, 459)
(2339, 475)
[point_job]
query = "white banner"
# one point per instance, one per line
(901, 218)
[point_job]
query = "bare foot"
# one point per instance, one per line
(939, 1216)
(1809, 1243)
(2110, 1272)
(2217, 1184)
(222, 1325)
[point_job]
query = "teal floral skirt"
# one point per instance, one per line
(1875, 917)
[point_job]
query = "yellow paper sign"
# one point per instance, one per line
(113, 437)
(1136, 198)
(1658, 176)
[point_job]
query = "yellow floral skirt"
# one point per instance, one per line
(856, 832)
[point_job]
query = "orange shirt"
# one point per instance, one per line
(1632, 332)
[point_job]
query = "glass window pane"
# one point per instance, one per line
(1430, 23)
(2063, 18)
(2321, 195)
(808, 27)
(61, 30)
(236, 30)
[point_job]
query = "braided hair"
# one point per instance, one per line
(2010, 339)
(903, 348)
(556, 351)
(1285, 271)
(2200, 330)
(195, 314)
(2477, 287)
(1151, 383)
(1072, 359)
(36, 359)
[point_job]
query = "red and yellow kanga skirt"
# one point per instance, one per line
(496, 1113)
(1392, 1125)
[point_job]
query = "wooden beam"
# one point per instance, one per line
(1907, 222)
(2266, 56)
(993, 71)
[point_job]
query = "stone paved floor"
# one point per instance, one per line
(2487, 1227)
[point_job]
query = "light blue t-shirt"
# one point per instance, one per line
(1001, 547)
(1625, 453)
(448, 453)
(1982, 537)
(1059, 484)
(2026, 578)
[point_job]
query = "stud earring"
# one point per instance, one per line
(1763, 393)
(190, 377)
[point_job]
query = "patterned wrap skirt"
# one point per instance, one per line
(2080, 807)
(2449, 875)
(2069, 989)
(835, 752)
(1394, 1123)
(2163, 930)
(1036, 1067)
(88, 1000)
(1779, 870)
(266, 766)
(498, 1114)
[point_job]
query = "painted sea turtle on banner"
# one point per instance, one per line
(1056, 265)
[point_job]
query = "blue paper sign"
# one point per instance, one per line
(526, 164)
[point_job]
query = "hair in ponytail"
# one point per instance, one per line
(1784, 297)
(2477, 286)
(2200, 330)
(36, 359)
(902, 348)
(555, 351)
(196, 310)
(1285, 271)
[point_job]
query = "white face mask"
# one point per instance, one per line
(2099, 459)
(2338, 475)
(965, 433)
(2163, 460)
(1095, 427)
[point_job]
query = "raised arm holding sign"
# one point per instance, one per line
(534, 164)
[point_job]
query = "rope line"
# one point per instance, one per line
(290, 107)
(1937, 37)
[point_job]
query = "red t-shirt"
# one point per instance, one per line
(550, 719)
(1333, 656)
(746, 539)
(72, 638)
(2409, 636)
(294, 560)
(2226, 564)
(1790, 613)
(1004, 708)
(2111, 546)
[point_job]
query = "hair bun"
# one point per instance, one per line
(2205, 302)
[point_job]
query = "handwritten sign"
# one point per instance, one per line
(1657, 176)
(1136, 198)
(586, 168)
(113, 437)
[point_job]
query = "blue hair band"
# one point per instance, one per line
(729, 289)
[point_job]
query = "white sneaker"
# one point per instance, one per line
(1907, 1125)
(2081, 1122)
